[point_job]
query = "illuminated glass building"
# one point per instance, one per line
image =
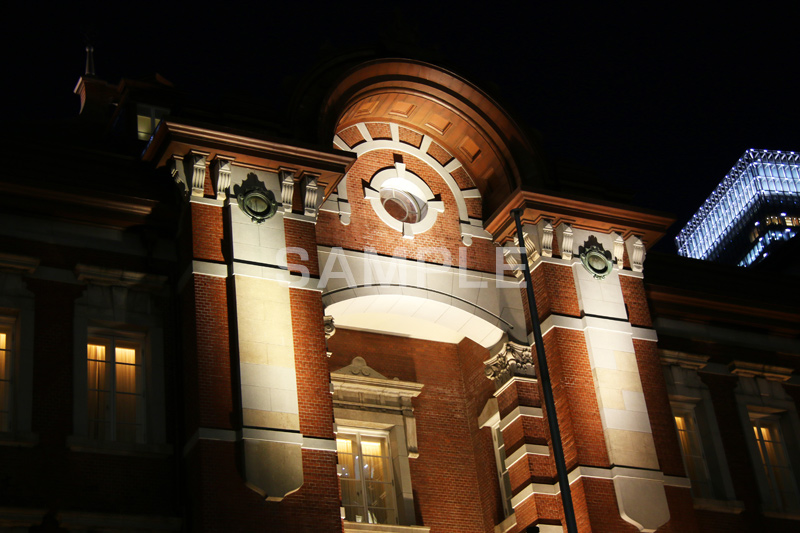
(753, 210)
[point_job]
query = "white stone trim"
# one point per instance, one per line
(586, 322)
(522, 410)
(527, 449)
(286, 437)
(515, 379)
(353, 527)
(507, 524)
(323, 445)
(206, 201)
(207, 268)
(339, 143)
(272, 273)
(300, 217)
(229, 435)
(599, 473)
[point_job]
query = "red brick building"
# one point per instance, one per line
(210, 322)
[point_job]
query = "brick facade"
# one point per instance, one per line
(620, 356)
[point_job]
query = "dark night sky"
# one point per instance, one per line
(659, 101)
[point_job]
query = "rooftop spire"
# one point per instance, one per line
(89, 60)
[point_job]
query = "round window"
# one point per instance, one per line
(402, 205)
(259, 204)
(596, 262)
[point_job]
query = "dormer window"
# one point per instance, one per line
(147, 119)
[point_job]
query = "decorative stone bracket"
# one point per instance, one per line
(287, 189)
(221, 174)
(637, 262)
(512, 360)
(619, 250)
(357, 386)
(513, 259)
(310, 200)
(566, 242)
(547, 240)
(195, 163)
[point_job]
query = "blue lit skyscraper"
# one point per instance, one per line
(755, 208)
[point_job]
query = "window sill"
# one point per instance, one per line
(24, 440)
(719, 506)
(782, 515)
(113, 522)
(382, 528)
(82, 444)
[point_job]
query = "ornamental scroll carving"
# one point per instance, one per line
(330, 330)
(512, 360)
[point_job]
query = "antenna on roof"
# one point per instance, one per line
(89, 60)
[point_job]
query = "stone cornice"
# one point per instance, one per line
(19, 264)
(175, 137)
(756, 370)
(122, 278)
(684, 360)
(587, 214)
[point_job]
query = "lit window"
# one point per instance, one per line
(147, 119)
(116, 390)
(374, 467)
(772, 451)
(365, 474)
(6, 373)
(692, 451)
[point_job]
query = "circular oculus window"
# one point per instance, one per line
(402, 205)
(404, 202)
(596, 262)
(258, 204)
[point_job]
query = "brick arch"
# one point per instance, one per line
(442, 162)
(457, 115)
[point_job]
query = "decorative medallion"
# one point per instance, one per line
(258, 203)
(594, 260)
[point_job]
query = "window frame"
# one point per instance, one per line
(9, 326)
(695, 439)
(113, 339)
(776, 421)
(384, 434)
(17, 309)
(687, 390)
(367, 401)
(154, 114)
(126, 305)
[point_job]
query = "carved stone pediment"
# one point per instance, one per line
(358, 386)
(358, 383)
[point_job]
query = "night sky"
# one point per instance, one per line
(660, 102)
